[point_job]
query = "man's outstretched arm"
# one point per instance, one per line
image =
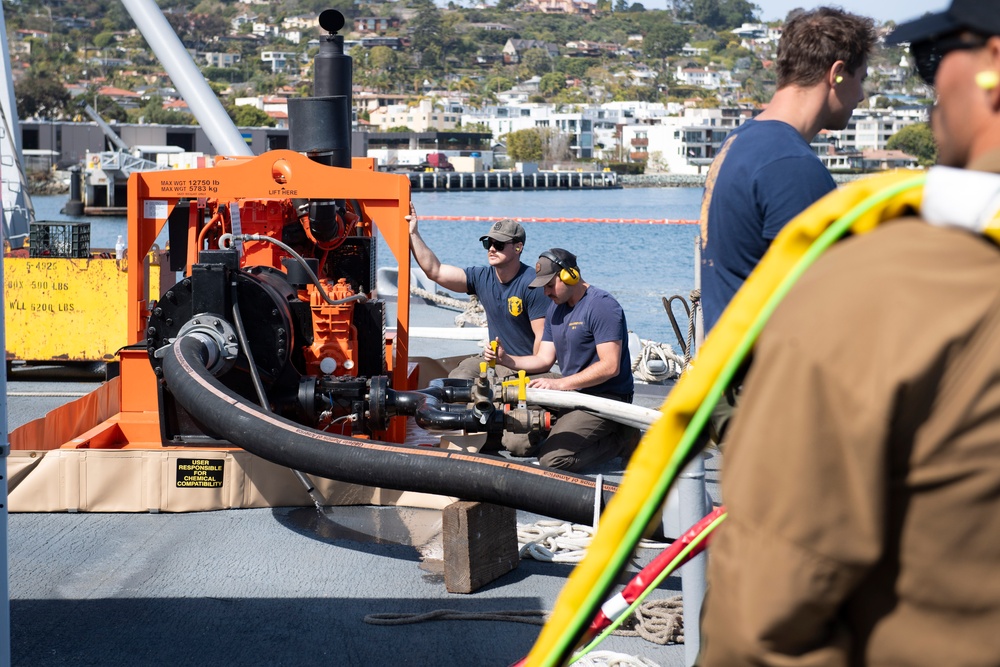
(447, 276)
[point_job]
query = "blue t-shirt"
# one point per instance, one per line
(509, 307)
(764, 175)
(577, 331)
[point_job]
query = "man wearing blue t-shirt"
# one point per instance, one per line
(585, 330)
(515, 314)
(765, 172)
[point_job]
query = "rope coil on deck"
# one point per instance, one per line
(559, 541)
(611, 659)
(651, 350)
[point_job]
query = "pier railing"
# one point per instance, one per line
(507, 180)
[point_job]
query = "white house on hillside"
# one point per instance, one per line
(425, 117)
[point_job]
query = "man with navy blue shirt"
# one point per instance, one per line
(515, 314)
(765, 173)
(585, 330)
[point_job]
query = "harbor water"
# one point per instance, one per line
(638, 263)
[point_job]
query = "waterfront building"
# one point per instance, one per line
(684, 144)
(872, 128)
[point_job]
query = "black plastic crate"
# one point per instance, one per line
(59, 239)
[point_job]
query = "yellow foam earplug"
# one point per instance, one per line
(988, 80)
(839, 79)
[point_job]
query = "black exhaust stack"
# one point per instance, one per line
(320, 126)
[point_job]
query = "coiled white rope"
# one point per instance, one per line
(553, 541)
(673, 363)
(612, 659)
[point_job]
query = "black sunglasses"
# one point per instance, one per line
(493, 243)
(927, 55)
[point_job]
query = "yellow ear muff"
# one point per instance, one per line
(569, 276)
(988, 80)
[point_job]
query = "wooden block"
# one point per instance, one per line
(480, 544)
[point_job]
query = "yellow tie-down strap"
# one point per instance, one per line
(859, 207)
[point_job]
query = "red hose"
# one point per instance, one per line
(641, 581)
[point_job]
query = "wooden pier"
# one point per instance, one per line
(507, 180)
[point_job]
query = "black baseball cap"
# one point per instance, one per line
(979, 16)
(545, 268)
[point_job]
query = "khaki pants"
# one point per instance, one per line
(580, 440)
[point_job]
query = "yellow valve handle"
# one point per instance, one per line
(521, 382)
(493, 346)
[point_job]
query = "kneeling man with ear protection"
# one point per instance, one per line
(585, 331)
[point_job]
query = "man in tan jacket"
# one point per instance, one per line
(862, 474)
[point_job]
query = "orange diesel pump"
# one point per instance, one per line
(298, 324)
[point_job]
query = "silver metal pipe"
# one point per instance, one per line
(693, 506)
(207, 108)
(617, 411)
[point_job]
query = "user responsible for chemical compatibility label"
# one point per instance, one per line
(200, 473)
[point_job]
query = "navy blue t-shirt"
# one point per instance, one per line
(509, 307)
(576, 332)
(764, 175)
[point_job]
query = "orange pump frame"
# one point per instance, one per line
(384, 200)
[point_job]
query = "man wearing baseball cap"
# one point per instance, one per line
(515, 314)
(586, 332)
(862, 473)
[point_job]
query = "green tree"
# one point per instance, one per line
(427, 27)
(154, 114)
(722, 14)
(382, 58)
(246, 115)
(41, 94)
(574, 66)
(664, 40)
(537, 61)
(551, 83)
(524, 146)
(916, 140)
(103, 39)
(498, 84)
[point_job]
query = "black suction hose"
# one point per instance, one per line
(430, 410)
(551, 493)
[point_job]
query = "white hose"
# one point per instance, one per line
(617, 411)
